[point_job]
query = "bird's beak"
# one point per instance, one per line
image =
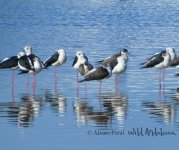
(130, 54)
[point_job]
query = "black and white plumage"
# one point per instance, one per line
(9, 63)
(37, 66)
(153, 57)
(156, 58)
(79, 59)
(118, 67)
(114, 57)
(172, 53)
(160, 61)
(59, 58)
(99, 73)
(81, 64)
(25, 63)
(29, 63)
(85, 68)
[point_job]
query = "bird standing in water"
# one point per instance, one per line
(57, 59)
(11, 63)
(160, 61)
(82, 66)
(99, 74)
(31, 64)
(118, 64)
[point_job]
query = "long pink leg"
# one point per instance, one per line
(163, 80)
(160, 78)
(13, 83)
(77, 85)
(56, 79)
(116, 80)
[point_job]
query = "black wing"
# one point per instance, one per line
(156, 55)
(99, 74)
(9, 63)
(109, 59)
(24, 61)
(153, 57)
(154, 61)
(90, 66)
(52, 59)
(31, 57)
(113, 64)
(86, 58)
(75, 60)
(81, 68)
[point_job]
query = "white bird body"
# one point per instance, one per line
(37, 66)
(121, 65)
(165, 63)
(172, 53)
(79, 59)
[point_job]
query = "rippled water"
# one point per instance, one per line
(60, 116)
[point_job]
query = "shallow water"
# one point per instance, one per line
(60, 115)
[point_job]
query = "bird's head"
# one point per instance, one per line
(28, 50)
(20, 54)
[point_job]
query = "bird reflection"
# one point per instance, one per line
(118, 106)
(57, 101)
(85, 112)
(162, 110)
(21, 113)
(112, 106)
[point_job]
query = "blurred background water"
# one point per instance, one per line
(61, 117)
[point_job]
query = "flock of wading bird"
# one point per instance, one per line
(28, 63)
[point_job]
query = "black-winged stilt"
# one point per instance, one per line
(119, 66)
(57, 59)
(160, 61)
(82, 66)
(31, 64)
(11, 63)
(99, 74)
(114, 57)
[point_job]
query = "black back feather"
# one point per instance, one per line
(9, 63)
(51, 60)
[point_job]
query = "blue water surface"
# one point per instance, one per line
(60, 116)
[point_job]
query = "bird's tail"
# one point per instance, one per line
(143, 67)
(81, 80)
(86, 79)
